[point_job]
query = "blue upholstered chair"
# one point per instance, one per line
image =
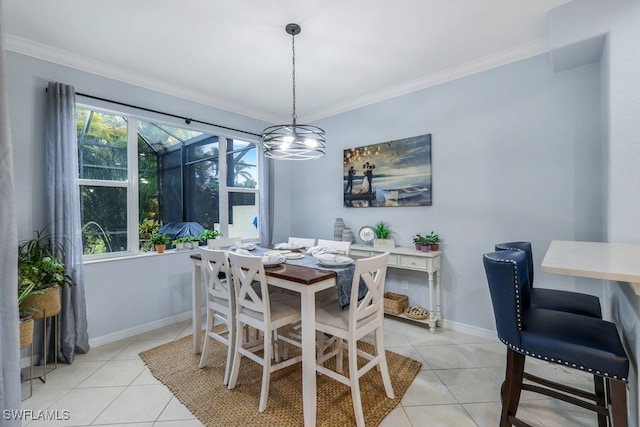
(571, 340)
(554, 299)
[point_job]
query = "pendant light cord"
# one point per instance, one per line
(293, 56)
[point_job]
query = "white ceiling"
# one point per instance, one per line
(235, 54)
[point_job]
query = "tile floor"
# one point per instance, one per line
(458, 385)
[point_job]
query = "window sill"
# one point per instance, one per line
(127, 256)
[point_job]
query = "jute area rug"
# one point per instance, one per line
(202, 391)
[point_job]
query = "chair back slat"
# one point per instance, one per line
(246, 270)
(337, 245)
(372, 272)
(214, 262)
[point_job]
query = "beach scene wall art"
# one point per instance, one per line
(393, 173)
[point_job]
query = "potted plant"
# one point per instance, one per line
(40, 265)
(26, 313)
(383, 233)
(208, 234)
(417, 240)
(160, 241)
(433, 240)
(178, 243)
(145, 230)
(192, 242)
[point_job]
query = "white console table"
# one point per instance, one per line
(411, 259)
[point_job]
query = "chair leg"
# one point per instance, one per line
(384, 369)
(513, 387)
(618, 402)
(207, 339)
(340, 355)
(598, 385)
(266, 371)
(231, 348)
(236, 356)
(355, 382)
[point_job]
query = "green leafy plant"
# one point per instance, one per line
(418, 238)
(147, 228)
(25, 290)
(432, 238)
(382, 230)
(40, 263)
(209, 234)
(159, 239)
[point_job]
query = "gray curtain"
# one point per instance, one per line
(266, 199)
(9, 335)
(63, 204)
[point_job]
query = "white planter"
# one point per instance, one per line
(384, 243)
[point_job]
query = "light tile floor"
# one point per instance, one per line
(458, 385)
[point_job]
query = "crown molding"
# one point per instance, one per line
(61, 57)
(504, 57)
(65, 58)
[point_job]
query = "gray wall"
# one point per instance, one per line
(618, 22)
(516, 156)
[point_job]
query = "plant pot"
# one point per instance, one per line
(435, 246)
(26, 331)
(160, 248)
(384, 243)
(48, 302)
(418, 246)
(425, 248)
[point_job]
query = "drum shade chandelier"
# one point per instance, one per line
(293, 141)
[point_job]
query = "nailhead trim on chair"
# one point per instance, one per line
(539, 356)
(560, 362)
(515, 278)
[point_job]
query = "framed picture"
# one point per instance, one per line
(394, 173)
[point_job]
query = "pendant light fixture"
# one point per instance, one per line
(293, 141)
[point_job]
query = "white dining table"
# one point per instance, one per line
(303, 280)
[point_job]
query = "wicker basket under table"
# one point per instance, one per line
(395, 303)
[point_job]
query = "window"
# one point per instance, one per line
(136, 173)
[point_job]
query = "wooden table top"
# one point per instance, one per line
(294, 273)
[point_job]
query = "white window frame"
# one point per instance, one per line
(131, 184)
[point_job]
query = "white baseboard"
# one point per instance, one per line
(140, 329)
(126, 333)
(470, 330)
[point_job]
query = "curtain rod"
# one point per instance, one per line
(187, 120)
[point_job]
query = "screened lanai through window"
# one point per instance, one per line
(178, 178)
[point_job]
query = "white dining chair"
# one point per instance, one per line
(337, 245)
(363, 317)
(268, 313)
(302, 242)
(222, 242)
(220, 305)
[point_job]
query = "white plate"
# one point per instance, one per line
(340, 263)
(272, 262)
(294, 255)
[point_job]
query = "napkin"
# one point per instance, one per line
(332, 258)
(317, 250)
(272, 258)
(243, 252)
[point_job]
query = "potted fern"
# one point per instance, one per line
(160, 241)
(383, 233)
